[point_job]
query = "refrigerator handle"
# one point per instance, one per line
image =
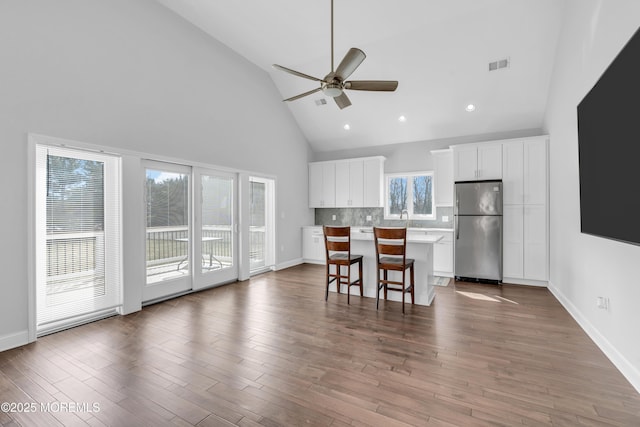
(455, 218)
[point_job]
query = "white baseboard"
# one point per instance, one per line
(14, 340)
(527, 282)
(287, 264)
(630, 372)
(314, 261)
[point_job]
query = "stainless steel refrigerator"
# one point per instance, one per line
(478, 230)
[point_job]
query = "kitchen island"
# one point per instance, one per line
(419, 247)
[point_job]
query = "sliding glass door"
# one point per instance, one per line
(168, 230)
(78, 262)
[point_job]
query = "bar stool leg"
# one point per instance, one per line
(360, 277)
(377, 287)
(326, 291)
(348, 284)
(403, 289)
(413, 287)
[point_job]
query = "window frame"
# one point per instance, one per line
(409, 176)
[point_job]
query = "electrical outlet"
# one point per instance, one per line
(368, 217)
(602, 303)
(445, 218)
(281, 248)
(333, 217)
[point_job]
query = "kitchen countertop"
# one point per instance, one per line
(410, 229)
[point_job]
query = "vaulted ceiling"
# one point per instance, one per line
(438, 50)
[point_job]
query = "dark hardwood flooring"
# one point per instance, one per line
(271, 352)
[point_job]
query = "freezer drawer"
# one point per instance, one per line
(478, 247)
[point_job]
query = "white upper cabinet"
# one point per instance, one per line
(373, 194)
(322, 185)
(349, 184)
(352, 183)
(513, 173)
(465, 163)
(443, 174)
(535, 172)
(524, 172)
(477, 162)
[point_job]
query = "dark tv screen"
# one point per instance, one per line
(609, 150)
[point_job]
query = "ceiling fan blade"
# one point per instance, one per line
(293, 98)
(342, 101)
(295, 73)
(349, 63)
(375, 85)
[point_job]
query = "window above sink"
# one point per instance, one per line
(409, 196)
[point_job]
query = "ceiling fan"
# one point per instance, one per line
(334, 83)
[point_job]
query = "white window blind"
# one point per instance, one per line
(78, 236)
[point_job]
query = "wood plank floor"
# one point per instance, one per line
(271, 352)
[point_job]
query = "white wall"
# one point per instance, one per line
(132, 75)
(584, 267)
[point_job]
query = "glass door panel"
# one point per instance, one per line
(261, 225)
(216, 256)
(168, 232)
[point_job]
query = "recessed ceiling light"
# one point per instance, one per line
(402, 118)
(470, 107)
(347, 127)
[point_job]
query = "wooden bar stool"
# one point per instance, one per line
(391, 254)
(337, 243)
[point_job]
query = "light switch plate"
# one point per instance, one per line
(333, 217)
(445, 218)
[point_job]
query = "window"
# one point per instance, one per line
(410, 192)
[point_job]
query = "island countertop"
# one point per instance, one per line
(412, 237)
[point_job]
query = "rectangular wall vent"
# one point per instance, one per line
(321, 101)
(501, 63)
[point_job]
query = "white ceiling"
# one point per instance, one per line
(438, 50)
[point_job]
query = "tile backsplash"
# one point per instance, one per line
(357, 217)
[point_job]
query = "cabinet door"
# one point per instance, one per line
(465, 163)
(342, 185)
(489, 161)
(443, 171)
(535, 242)
(512, 173)
(356, 184)
(313, 244)
(513, 241)
(373, 174)
(535, 172)
(315, 185)
(328, 185)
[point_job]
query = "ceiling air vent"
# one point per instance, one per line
(501, 63)
(321, 101)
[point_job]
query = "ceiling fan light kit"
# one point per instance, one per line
(334, 83)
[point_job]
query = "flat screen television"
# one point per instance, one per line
(609, 150)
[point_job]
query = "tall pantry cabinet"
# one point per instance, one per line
(525, 215)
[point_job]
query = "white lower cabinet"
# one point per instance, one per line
(443, 254)
(313, 245)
